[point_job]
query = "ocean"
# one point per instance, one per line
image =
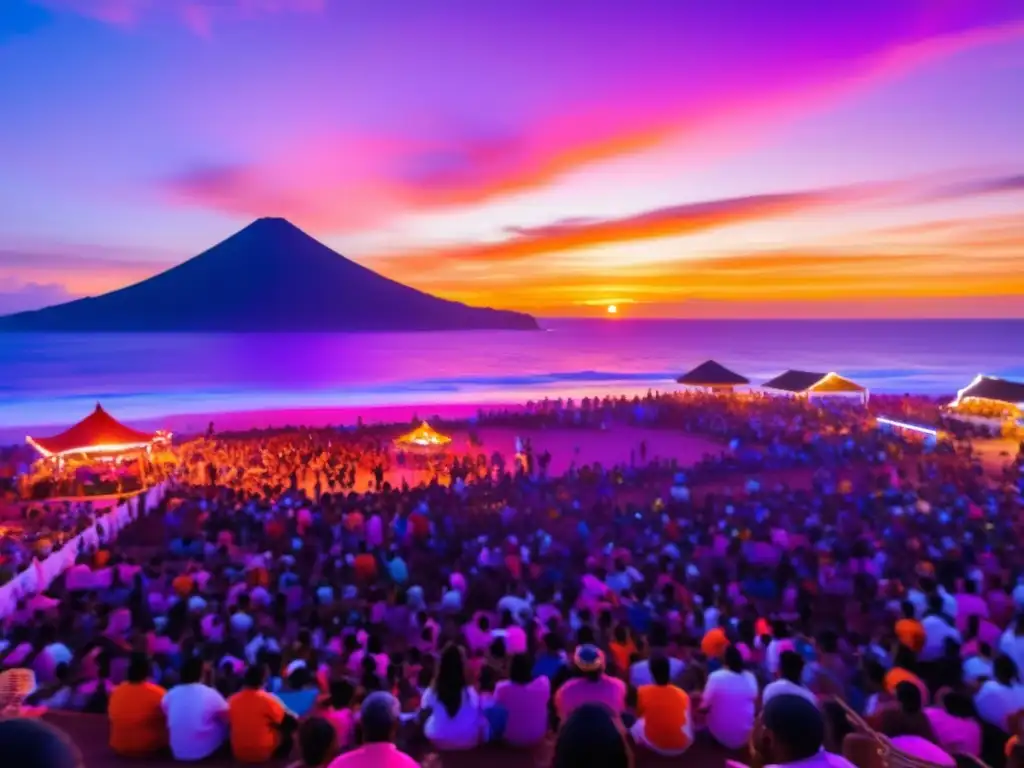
(56, 379)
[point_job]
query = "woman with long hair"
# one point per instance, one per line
(451, 706)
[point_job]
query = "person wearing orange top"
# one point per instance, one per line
(910, 631)
(261, 728)
(902, 672)
(137, 724)
(365, 564)
(622, 649)
(101, 558)
(182, 585)
(663, 711)
(714, 643)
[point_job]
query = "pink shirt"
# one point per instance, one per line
(609, 691)
(381, 755)
(954, 733)
(527, 707)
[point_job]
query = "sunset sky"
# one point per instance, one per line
(676, 158)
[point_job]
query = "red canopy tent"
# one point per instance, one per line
(99, 432)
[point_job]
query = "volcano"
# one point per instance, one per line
(269, 277)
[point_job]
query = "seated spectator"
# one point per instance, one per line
(910, 730)
(525, 701)
(197, 715)
(909, 630)
(30, 743)
(664, 722)
(955, 723)
(261, 727)
(300, 690)
(793, 733)
(1002, 696)
(452, 707)
(592, 686)
(137, 724)
(339, 712)
(318, 744)
(591, 736)
(791, 670)
(551, 660)
(730, 699)
(378, 723)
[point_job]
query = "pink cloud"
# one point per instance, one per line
(200, 16)
(348, 181)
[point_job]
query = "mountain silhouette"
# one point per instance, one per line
(269, 277)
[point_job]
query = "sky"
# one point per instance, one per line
(675, 158)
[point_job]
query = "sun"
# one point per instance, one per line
(612, 309)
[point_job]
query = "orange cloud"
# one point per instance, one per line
(672, 221)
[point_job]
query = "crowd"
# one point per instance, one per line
(295, 611)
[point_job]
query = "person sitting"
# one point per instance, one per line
(261, 727)
(197, 715)
(793, 733)
(664, 724)
(593, 686)
(318, 744)
(378, 722)
(791, 670)
(451, 706)
(730, 699)
(591, 737)
(1002, 696)
(300, 692)
(910, 730)
(525, 700)
(955, 723)
(137, 724)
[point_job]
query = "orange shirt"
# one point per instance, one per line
(182, 585)
(665, 711)
(898, 675)
(910, 632)
(137, 724)
(621, 654)
(714, 643)
(366, 566)
(253, 716)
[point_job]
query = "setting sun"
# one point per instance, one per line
(612, 309)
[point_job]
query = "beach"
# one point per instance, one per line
(182, 381)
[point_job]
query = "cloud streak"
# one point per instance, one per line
(348, 181)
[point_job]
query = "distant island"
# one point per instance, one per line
(269, 277)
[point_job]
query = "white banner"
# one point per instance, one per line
(42, 573)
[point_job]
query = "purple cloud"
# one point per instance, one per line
(29, 296)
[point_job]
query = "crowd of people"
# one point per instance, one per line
(292, 609)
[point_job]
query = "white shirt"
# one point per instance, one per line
(194, 720)
(519, 608)
(1013, 647)
(241, 622)
(463, 731)
(640, 672)
(995, 702)
(936, 631)
(976, 667)
(730, 698)
(785, 687)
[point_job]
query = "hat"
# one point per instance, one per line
(589, 658)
